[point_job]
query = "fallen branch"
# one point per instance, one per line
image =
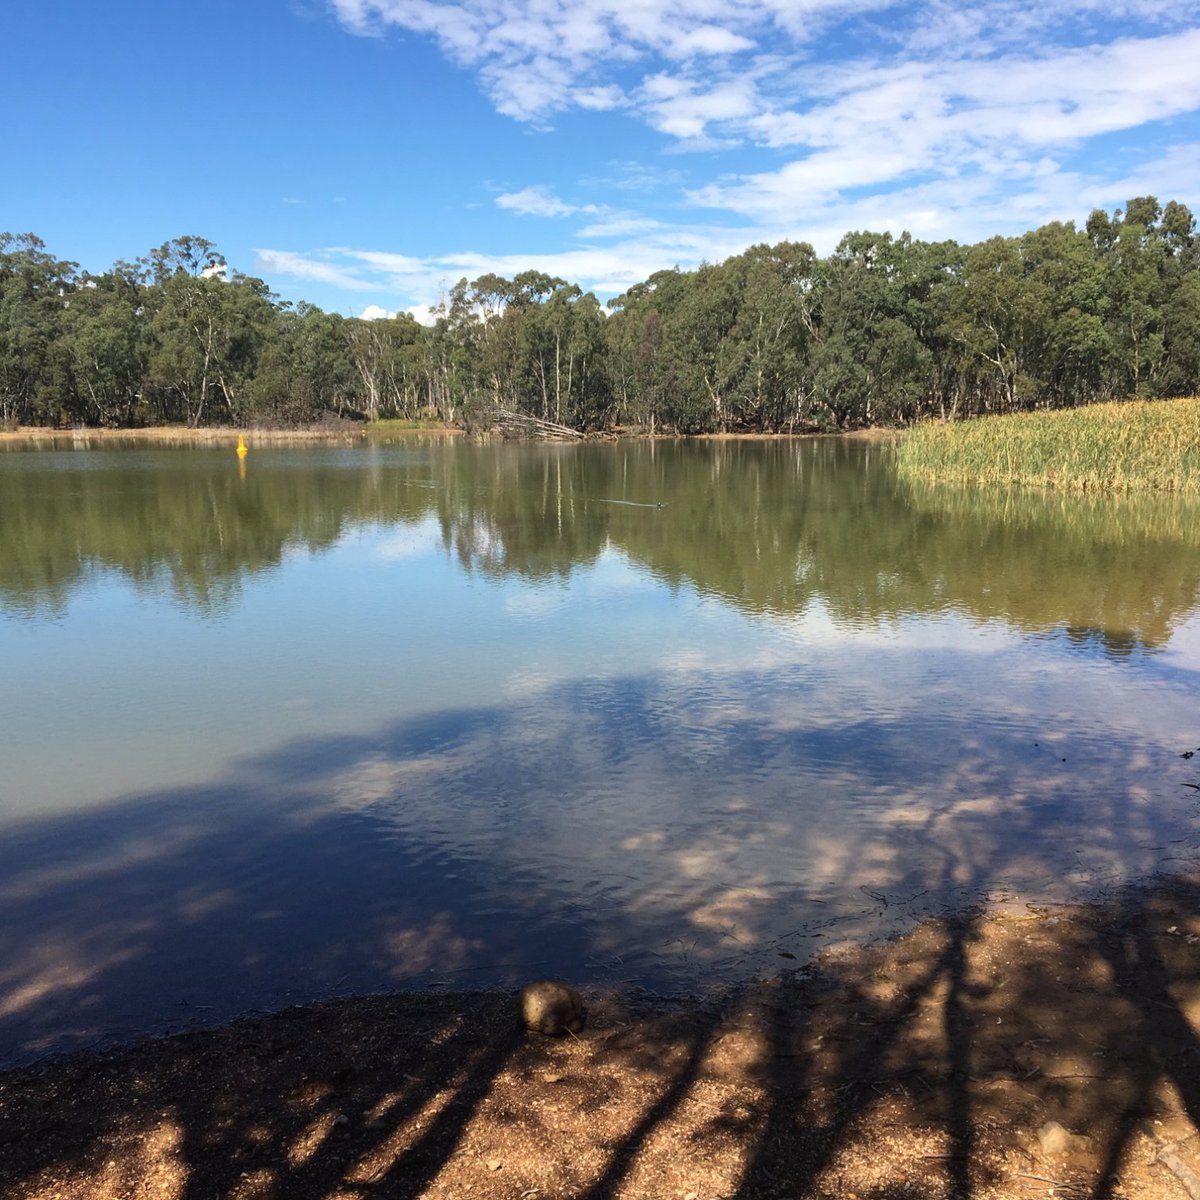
(527, 425)
(1180, 1169)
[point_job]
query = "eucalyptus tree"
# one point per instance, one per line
(523, 348)
(562, 348)
(391, 361)
(651, 338)
(582, 392)
(1074, 344)
(868, 364)
(1134, 277)
(1180, 373)
(206, 331)
(490, 314)
(448, 363)
(997, 325)
(761, 361)
(469, 361)
(106, 344)
(302, 370)
(35, 290)
(884, 330)
(696, 331)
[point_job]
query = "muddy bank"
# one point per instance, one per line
(1051, 1052)
(214, 435)
(353, 430)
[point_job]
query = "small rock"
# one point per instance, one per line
(553, 1078)
(341, 1119)
(494, 1164)
(552, 1007)
(1055, 1139)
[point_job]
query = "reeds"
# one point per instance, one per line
(1151, 445)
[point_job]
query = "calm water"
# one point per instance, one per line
(431, 714)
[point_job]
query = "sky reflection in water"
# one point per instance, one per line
(446, 715)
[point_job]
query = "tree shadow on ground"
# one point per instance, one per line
(921, 1067)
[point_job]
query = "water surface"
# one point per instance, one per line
(433, 714)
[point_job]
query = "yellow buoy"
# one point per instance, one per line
(241, 447)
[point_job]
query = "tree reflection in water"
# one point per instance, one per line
(870, 703)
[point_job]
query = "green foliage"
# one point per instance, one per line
(886, 330)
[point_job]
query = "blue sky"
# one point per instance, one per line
(366, 154)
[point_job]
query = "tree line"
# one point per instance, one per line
(885, 330)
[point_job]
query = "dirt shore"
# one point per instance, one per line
(208, 436)
(1052, 1052)
(351, 431)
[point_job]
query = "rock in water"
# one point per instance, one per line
(552, 1007)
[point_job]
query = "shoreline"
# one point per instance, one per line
(354, 431)
(215, 434)
(976, 1055)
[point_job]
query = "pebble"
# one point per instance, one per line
(1055, 1139)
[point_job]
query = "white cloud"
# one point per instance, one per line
(599, 99)
(298, 266)
(423, 314)
(1173, 174)
(945, 119)
(619, 225)
(375, 312)
(685, 109)
(607, 269)
(903, 94)
(999, 117)
(538, 201)
(396, 264)
(538, 57)
(624, 249)
(625, 175)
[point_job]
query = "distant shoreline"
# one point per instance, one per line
(354, 432)
(217, 434)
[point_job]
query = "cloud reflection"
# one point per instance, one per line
(650, 829)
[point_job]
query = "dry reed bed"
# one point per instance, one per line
(1131, 446)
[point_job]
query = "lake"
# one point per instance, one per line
(429, 714)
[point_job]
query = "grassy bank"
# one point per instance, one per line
(392, 425)
(1134, 446)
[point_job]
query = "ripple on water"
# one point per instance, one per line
(477, 729)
